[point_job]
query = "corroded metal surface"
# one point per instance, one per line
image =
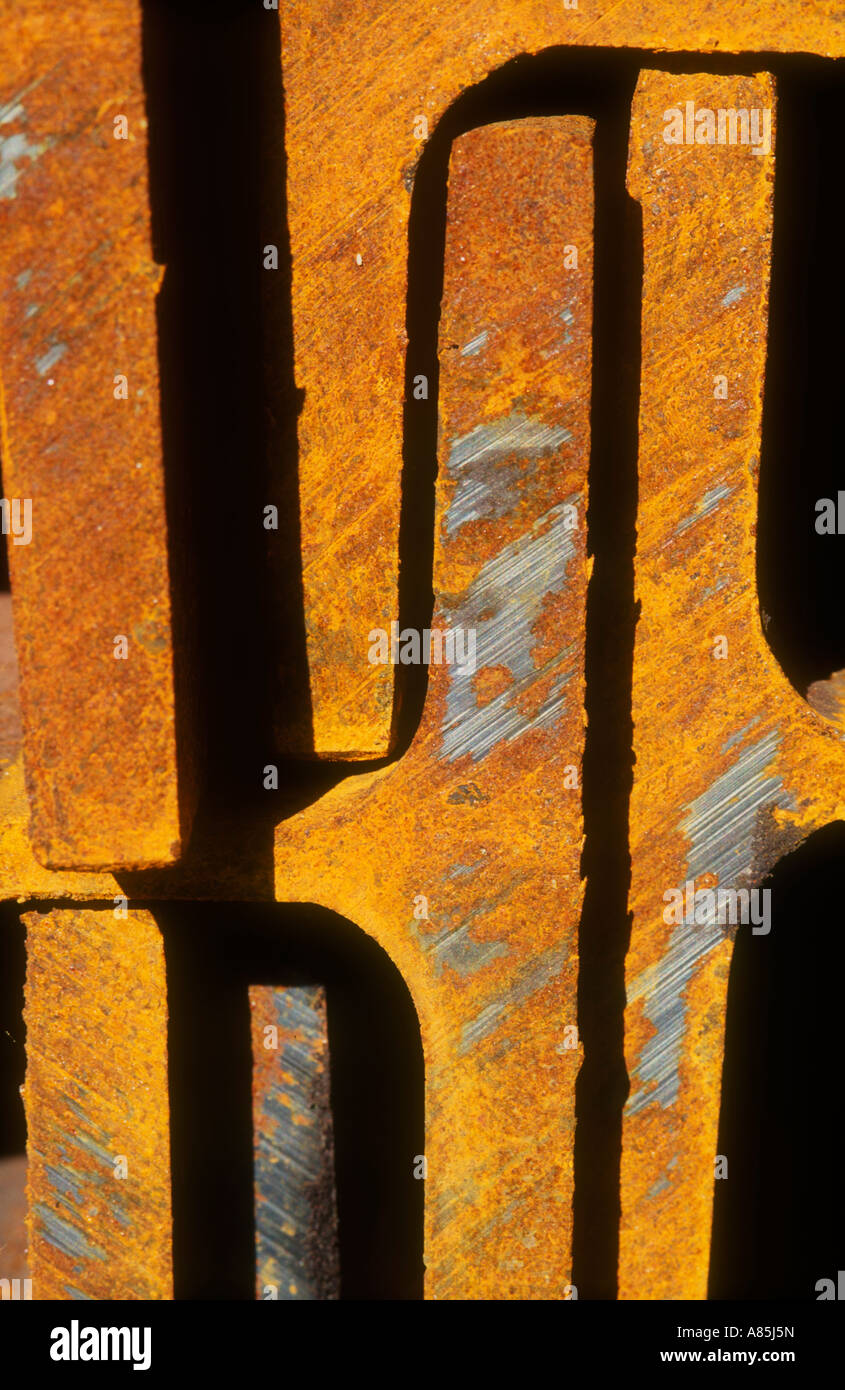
(462, 859)
(732, 769)
(13, 1261)
(97, 1106)
(376, 67)
(78, 330)
(10, 721)
(296, 1251)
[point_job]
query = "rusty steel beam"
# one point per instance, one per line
(10, 719)
(97, 1109)
(732, 768)
(462, 859)
(81, 443)
(296, 1235)
(13, 1260)
(354, 141)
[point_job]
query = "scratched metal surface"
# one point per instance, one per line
(13, 1261)
(483, 968)
(376, 66)
(749, 769)
(96, 1091)
(476, 817)
(296, 1244)
(10, 719)
(77, 310)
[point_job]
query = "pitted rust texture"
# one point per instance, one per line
(96, 1092)
(78, 287)
(352, 107)
(295, 1206)
(475, 818)
(13, 1261)
(732, 768)
(350, 198)
(10, 718)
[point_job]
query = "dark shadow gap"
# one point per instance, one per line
(215, 104)
(12, 1118)
(801, 574)
(602, 1086)
(12, 1035)
(282, 404)
(779, 1217)
(212, 77)
(4, 544)
(214, 952)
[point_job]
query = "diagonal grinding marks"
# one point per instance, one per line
(97, 1107)
(81, 441)
(366, 82)
(462, 859)
(732, 769)
(295, 1209)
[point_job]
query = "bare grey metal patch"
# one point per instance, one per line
(63, 1183)
(533, 977)
(457, 949)
(65, 1237)
(17, 147)
(50, 358)
(737, 737)
(712, 589)
(480, 493)
(509, 591)
(12, 111)
(474, 346)
(720, 823)
(84, 1140)
(63, 1180)
(556, 346)
(294, 1157)
(458, 870)
(720, 827)
(735, 294)
(706, 504)
(454, 946)
(468, 795)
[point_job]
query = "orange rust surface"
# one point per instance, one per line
(475, 817)
(357, 78)
(96, 1092)
(732, 769)
(10, 720)
(13, 1262)
(499, 1086)
(78, 288)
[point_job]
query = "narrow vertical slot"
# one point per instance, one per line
(13, 1263)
